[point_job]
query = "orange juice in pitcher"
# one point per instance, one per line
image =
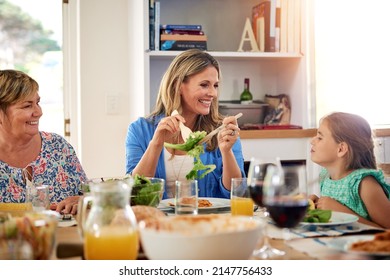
(109, 229)
(111, 243)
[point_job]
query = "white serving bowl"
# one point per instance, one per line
(200, 237)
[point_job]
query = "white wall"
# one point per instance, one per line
(103, 62)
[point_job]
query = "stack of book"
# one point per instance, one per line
(180, 37)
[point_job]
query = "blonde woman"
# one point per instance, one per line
(190, 86)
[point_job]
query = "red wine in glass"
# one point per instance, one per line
(287, 214)
(256, 192)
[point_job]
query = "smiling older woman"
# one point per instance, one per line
(30, 156)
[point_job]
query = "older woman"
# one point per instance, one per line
(30, 156)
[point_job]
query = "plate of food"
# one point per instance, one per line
(204, 203)
(336, 218)
(377, 245)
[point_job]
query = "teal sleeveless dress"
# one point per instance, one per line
(346, 190)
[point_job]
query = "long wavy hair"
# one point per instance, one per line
(185, 65)
(356, 132)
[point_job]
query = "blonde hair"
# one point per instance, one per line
(185, 65)
(15, 86)
(356, 132)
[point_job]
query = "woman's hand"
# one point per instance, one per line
(67, 206)
(228, 135)
(167, 128)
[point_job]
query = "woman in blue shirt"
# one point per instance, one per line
(190, 86)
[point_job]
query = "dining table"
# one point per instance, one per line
(304, 243)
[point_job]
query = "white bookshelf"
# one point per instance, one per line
(270, 72)
(223, 22)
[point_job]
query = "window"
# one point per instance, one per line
(45, 67)
(352, 57)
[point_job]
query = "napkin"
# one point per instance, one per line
(317, 249)
(316, 231)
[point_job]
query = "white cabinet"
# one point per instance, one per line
(223, 22)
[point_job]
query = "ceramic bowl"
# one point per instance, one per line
(200, 237)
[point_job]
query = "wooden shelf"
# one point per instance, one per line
(241, 55)
(282, 133)
(381, 132)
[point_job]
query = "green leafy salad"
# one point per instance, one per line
(145, 191)
(194, 149)
(317, 216)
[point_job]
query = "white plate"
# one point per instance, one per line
(217, 203)
(337, 218)
(344, 243)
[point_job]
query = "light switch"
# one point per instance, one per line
(112, 104)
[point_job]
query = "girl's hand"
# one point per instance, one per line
(228, 135)
(314, 198)
(328, 203)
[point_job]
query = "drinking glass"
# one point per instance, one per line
(256, 175)
(186, 198)
(285, 195)
(240, 199)
(38, 196)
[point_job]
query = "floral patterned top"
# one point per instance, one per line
(57, 165)
(346, 190)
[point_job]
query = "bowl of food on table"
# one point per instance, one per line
(144, 190)
(200, 237)
(147, 191)
(28, 236)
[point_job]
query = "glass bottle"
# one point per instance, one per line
(246, 96)
(110, 229)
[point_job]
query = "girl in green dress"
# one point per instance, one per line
(350, 181)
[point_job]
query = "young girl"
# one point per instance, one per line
(350, 181)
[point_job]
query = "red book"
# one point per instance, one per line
(264, 14)
(176, 31)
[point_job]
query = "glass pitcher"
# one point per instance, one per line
(109, 229)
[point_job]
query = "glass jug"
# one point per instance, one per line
(109, 229)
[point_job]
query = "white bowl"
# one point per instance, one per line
(200, 237)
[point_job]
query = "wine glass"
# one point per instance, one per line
(256, 175)
(285, 195)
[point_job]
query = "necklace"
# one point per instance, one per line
(176, 167)
(174, 164)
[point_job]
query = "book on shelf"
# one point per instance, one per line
(297, 26)
(173, 45)
(290, 26)
(264, 24)
(180, 42)
(183, 37)
(151, 25)
(178, 31)
(157, 25)
(283, 25)
(277, 26)
(181, 26)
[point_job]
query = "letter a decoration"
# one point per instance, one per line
(247, 35)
